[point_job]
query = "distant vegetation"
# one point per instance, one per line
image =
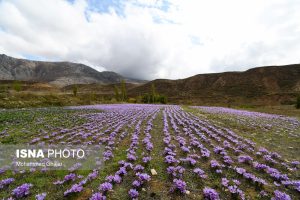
(154, 97)
(120, 95)
(123, 91)
(21, 94)
(149, 98)
(117, 94)
(75, 90)
(17, 86)
(123, 95)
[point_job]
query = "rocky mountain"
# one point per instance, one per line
(260, 86)
(57, 73)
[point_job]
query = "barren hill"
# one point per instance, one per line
(260, 86)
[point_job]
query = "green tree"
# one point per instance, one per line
(153, 93)
(145, 98)
(298, 102)
(123, 91)
(163, 99)
(75, 90)
(117, 95)
(148, 98)
(17, 86)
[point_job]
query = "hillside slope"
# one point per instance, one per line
(259, 86)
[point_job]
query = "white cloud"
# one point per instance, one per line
(157, 38)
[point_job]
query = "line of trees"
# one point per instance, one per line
(154, 97)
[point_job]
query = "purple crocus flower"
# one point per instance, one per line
(233, 189)
(189, 160)
(210, 194)
(280, 196)
(121, 171)
(131, 157)
(179, 185)
(138, 168)
(107, 155)
(6, 182)
(22, 190)
(295, 163)
(205, 153)
(269, 158)
(146, 159)
(143, 177)
(200, 173)
(240, 170)
(245, 159)
(109, 178)
(218, 149)
(117, 178)
(3, 169)
(128, 165)
(170, 160)
(70, 177)
(106, 186)
(98, 196)
(133, 193)
(136, 183)
(259, 166)
(237, 182)
(225, 182)
(41, 196)
(93, 175)
(214, 164)
(74, 189)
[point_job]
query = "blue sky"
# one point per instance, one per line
(104, 5)
(150, 39)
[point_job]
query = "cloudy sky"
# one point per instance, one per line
(149, 39)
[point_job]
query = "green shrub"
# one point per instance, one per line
(17, 86)
(132, 100)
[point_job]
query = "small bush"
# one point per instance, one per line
(113, 100)
(132, 100)
(17, 86)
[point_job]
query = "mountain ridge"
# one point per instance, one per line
(57, 73)
(260, 85)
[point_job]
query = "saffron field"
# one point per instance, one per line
(158, 152)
